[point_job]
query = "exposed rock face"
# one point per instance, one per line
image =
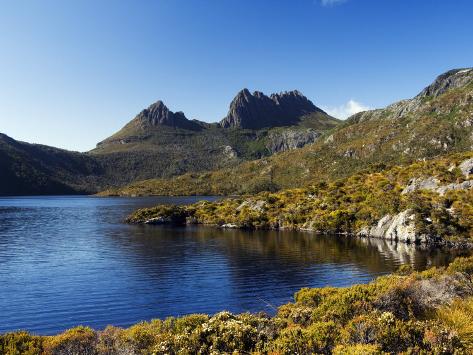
(433, 184)
(450, 80)
(398, 228)
(466, 167)
(254, 111)
(429, 183)
(290, 139)
(158, 114)
(229, 152)
(465, 185)
(258, 206)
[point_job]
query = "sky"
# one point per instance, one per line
(74, 72)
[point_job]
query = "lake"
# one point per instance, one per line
(66, 261)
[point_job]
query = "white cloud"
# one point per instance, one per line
(346, 110)
(331, 2)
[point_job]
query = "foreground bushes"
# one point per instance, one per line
(408, 312)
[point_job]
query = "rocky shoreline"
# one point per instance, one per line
(395, 229)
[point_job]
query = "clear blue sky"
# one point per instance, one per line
(74, 72)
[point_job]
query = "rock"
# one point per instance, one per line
(229, 152)
(432, 184)
(159, 220)
(290, 139)
(429, 183)
(258, 206)
(398, 228)
(349, 153)
(191, 220)
(158, 114)
(254, 111)
(229, 226)
(329, 139)
(465, 185)
(450, 80)
(466, 167)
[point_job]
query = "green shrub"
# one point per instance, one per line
(20, 343)
(75, 341)
(358, 349)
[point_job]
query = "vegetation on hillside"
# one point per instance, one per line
(346, 205)
(407, 312)
(422, 128)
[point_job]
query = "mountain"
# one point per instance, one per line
(156, 143)
(256, 111)
(438, 121)
(251, 115)
(33, 169)
(161, 143)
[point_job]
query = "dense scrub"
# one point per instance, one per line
(347, 205)
(407, 312)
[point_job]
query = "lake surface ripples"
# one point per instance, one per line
(66, 261)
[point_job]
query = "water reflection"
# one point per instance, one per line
(70, 260)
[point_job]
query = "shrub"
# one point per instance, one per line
(20, 343)
(358, 349)
(459, 317)
(75, 341)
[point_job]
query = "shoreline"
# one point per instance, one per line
(404, 311)
(439, 243)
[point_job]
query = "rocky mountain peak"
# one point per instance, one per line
(158, 114)
(257, 110)
(450, 80)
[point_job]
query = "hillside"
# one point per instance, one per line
(439, 120)
(425, 202)
(32, 169)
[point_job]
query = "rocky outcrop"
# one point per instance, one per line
(290, 139)
(466, 167)
(158, 114)
(450, 80)
(254, 111)
(465, 185)
(397, 228)
(430, 183)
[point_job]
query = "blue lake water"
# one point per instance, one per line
(66, 261)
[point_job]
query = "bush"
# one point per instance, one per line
(20, 343)
(358, 349)
(75, 341)
(459, 317)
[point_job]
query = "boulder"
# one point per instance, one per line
(397, 228)
(466, 167)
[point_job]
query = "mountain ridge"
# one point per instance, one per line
(257, 110)
(424, 127)
(157, 142)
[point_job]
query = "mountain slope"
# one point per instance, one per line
(32, 169)
(156, 143)
(437, 121)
